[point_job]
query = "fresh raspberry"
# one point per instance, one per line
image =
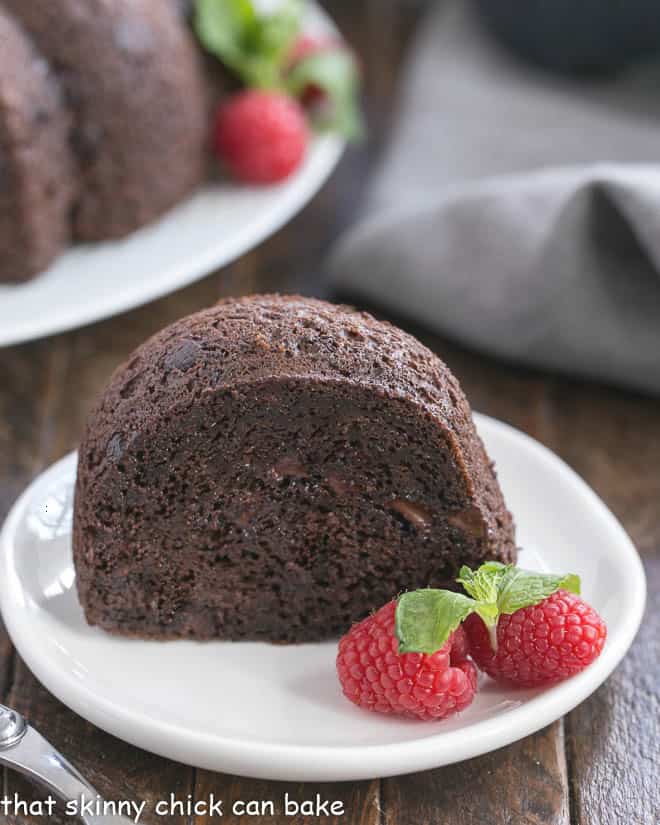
(303, 47)
(375, 676)
(539, 645)
(261, 136)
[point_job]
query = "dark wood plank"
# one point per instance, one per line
(523, 784)
(29, 379)
(6, 660)
(118, 770)
(613, 440)
(613, 739)
(28, 376)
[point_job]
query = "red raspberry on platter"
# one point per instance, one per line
(375, 676)
(324, 75)
(526, 628)
(305, 46)
(540, 644)
(414, 656)
(261, 136)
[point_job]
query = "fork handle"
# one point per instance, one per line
(26, 751)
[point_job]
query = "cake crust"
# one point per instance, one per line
(275, 468)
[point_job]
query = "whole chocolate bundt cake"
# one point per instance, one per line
(275, 468)
(104, 122)
(131, 73)
(37, 179)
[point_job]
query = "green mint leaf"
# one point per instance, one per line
(274, 35)
(335, 71)
(252, 45)
(426, 618)
(504, 588)
(520, 588)
(483, 584)
(223, 27)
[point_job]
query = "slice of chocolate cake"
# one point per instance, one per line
(37, 172)
(275, 468)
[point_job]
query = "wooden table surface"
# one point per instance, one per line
(598, 765)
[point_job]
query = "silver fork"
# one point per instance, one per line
(26, 751)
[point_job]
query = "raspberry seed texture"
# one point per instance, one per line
(375, 676)
(541, 644)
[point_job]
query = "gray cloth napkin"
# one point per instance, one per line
(518, 211)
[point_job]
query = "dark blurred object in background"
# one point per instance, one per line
(576, 35)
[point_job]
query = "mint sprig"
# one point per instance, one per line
(483, 583)
(257, 46)
(426, 618)
(515, 588)
(252, 44)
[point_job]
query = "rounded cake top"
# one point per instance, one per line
(248, 339)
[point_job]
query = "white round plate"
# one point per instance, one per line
(276, 712)
(216, 225)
